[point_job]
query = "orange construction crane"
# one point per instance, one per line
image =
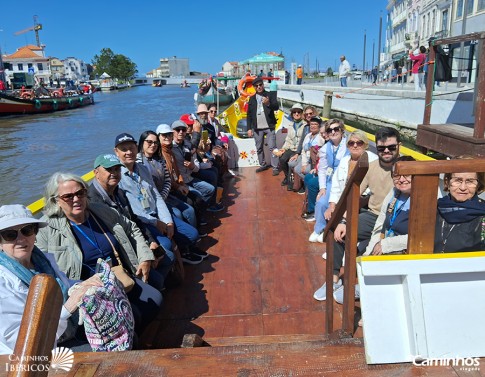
(35, 28)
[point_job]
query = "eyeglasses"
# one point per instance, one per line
(152, 142)
(355, 143)
(296, 112)
(10, 235)
(469, 182)
(331, 130)
(397, 178)
(382, 148)
(166, 136)
(70, 197)
(212, 111)
(180, 129)
(258, 85)
(309, 114)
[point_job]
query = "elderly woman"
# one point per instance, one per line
(460, 225)
(20, 261)
(79, 232)
(329, 158)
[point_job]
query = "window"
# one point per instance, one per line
(481, 5)
(20, 66)
(29, 65)
(444, 21)
(470, 7)
(459, 8)
(40, 67)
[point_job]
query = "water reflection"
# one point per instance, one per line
(33, 147)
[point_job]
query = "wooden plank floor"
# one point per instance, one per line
(260, 277)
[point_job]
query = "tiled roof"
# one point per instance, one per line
(34, 47)
(23, 53)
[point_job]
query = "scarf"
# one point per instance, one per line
(171, 164)
(460, 212)
(41, 264)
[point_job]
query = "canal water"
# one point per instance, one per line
(35, 146)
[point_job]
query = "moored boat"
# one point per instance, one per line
(11, 105)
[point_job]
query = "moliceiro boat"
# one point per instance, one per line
(10, 105)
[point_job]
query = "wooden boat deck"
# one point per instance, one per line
(260, 277)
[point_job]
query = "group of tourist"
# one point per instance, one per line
(146, 207)
(318, 158)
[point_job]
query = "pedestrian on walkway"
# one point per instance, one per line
(343, 71)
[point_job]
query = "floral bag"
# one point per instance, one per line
(107, 315)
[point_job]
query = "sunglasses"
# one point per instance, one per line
(258, 85)
(151, 142)
(167, 136)
(308, 114)
(296, 112)
(331, 130)
(70, 197)
(180, 129)
(10, 235)
(382, 148)
(355, 143)
(213, 111)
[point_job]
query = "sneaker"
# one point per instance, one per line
(310, 218)
(306, 215)
(200, 253)
(276, 171)
(262, 168)
(313, 237)
(202, 234)
(215, 208)
(301, 191)
(202, 221)
(321, 293)
(191, 258)
(289, 188)
(324, 255)
(338, 294)
(284, 182)
(320, 239)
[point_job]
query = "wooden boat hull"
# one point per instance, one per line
(10, 105)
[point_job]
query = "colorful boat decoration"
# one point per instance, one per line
(10, 105)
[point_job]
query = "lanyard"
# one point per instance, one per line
(335, 156)
(395, 213)
(95, 242)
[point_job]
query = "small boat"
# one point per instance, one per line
(210, 92)
(185, 84)
(11, 105)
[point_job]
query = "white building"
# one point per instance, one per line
(27, 59)
(75, 69)
(173, 67)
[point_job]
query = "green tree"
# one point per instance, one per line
(116, 65)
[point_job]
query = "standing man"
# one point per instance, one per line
(270, 74)
(299, 74)
(262, 122)
(343, 71)
(374, 75)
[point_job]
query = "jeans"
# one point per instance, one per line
(259, 141)
(145, 302)
(204, 189)
(343, 81)
(320, 208)
(210, 176)
(181, 210)
(298, 167)
(167, 261)
(284, 161)
(312, 186)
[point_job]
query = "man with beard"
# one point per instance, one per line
(379, 181)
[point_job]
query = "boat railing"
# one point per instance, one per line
(422, 222)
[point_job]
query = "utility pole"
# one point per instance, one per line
(462, 44)
(379, 43)
(373, 46)
(365, 40)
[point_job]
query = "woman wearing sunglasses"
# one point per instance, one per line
(20, 261)
(79, 232)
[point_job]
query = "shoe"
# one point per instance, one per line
(324, 255)
(289, 188)
(301, 191)
(338, 295)
(307, 214)
(232, 172)
(320, 239)
(310, 218)
(198, 252)
(276, 171)
(321, 293)
(191, 258)
(313, 237)
(202, 234)
(202, 221)
(215, 208)
(262, 168)
(284, 182)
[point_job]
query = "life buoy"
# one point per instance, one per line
(37, 104)
(244, 84)
(55, 105)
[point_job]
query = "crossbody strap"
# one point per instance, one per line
(117, 256)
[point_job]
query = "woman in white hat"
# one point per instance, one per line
(20, 261)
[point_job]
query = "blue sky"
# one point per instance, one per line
(208, 33)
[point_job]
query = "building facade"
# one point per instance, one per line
(75, 70)
(173, 67)
(30, 60)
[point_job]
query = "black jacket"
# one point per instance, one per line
(269, 110)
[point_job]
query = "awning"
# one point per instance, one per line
(263, 59)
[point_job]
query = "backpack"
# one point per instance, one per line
(107, 315)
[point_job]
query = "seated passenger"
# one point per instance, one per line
(460, 224)
(148, 204)
(20, 261)
(79, 232)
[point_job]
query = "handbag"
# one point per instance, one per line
(107, 314)
(126, 280)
